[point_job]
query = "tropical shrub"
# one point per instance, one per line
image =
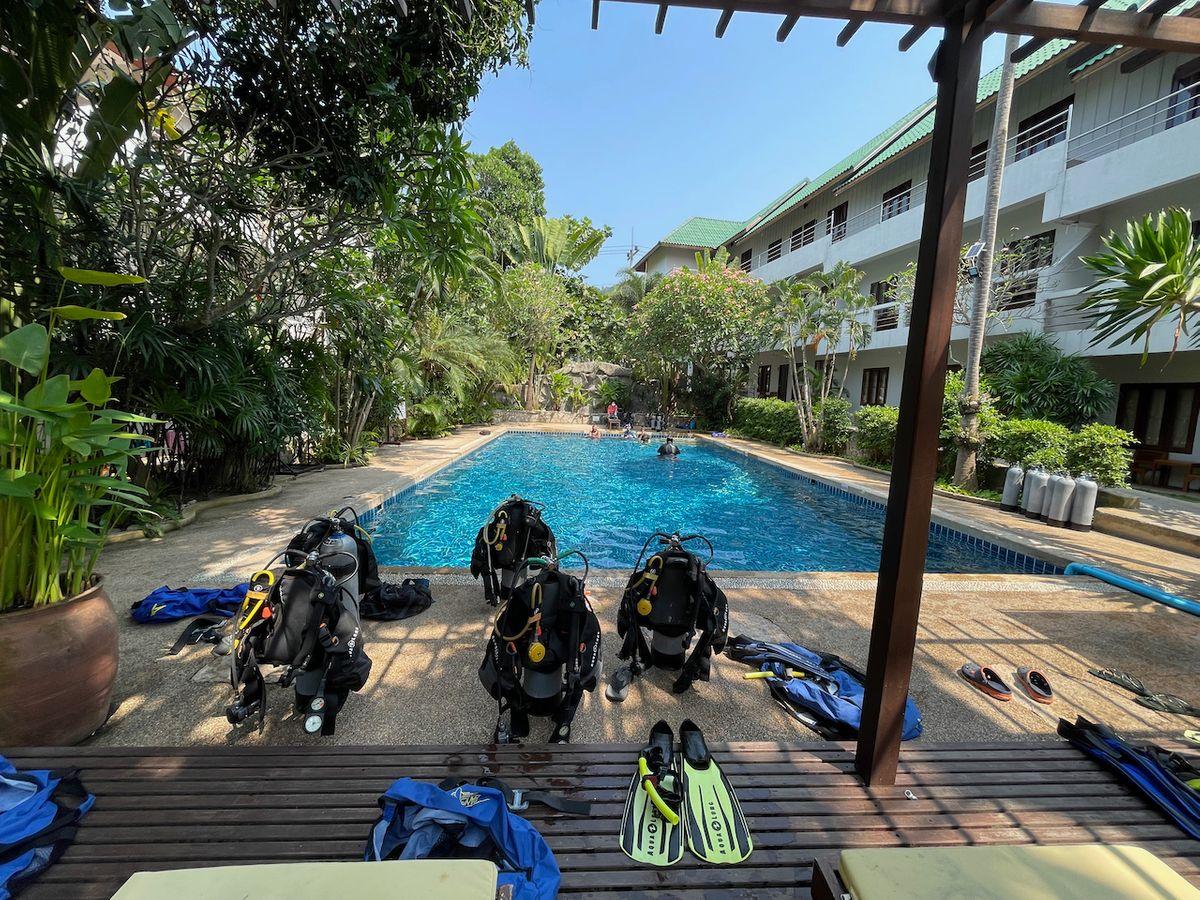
(767, 419)
(1028, 442)
(953, 432)
(614, 390)
(1102, 451)
(710, 399)
(875, 433)
(1028, 377)
(833, 425)
(63, 462)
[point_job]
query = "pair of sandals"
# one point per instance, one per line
(1166, 703)
(984, 678)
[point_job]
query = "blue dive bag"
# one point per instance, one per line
(38, 815)
(166, 604)
(831, 690)
(423, 821)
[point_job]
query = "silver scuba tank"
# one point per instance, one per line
(1060, 501)
(1083, 505)
(339, 555)
(1013, 479)
(1048, 495)
(1035, 488)
(667, 651)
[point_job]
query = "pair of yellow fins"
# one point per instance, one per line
(677, 798)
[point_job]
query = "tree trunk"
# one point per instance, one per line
(965, 468)
(530, 403)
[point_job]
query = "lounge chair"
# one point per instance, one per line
(1026, 872)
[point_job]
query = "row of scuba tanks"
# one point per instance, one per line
(1053, 497)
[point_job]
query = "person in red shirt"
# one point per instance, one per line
(613, 420)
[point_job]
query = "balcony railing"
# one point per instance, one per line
(1026, 143)
(1159, 115)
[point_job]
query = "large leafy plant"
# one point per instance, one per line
(1028, 377)
(1149, 275)
(63, 460)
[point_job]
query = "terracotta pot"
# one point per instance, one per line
(57, 668)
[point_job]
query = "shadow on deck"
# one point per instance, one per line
(164, 808)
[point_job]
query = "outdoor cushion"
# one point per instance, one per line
(1069, 872)
(437, 879)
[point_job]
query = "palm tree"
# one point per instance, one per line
(562, 244)
(1148, 276)
(964, 466)
(632, 287)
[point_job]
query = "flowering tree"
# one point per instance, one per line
(713, 319)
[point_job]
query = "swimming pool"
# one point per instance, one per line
(607, 496)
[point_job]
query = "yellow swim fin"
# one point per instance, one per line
(712, 817)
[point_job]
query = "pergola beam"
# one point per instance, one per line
(786, 26)
(595, 15)
(914, 463)
(911, 36)
(661, 19)
(848, 32)
(723, 22)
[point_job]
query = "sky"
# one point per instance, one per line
(640, 131)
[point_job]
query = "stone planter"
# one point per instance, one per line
(57, 668)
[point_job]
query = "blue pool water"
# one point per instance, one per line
(607, 496)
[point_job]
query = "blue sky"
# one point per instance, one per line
(640, 131)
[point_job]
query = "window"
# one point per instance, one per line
(1161, 416)
(888, 317)
(1043, 129)
(804, 235)
(774, 249)
(764, 381)
(746, 260)
(1034, 253)
(1185, 91)
(874, 387)
(896, 201)
(781, 388)
(978, 161)
(835, 221)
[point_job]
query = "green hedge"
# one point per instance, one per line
(1102, 451)
(833, 424)
(876, 435)
(767, 419)
(1030, 442)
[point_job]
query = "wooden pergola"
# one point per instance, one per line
(955, 69)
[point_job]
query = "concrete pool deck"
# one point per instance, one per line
(424, 689)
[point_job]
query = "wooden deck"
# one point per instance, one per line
(202, 806)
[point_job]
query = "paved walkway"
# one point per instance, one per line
(1172, 571)
(424, 686)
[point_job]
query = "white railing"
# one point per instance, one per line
(1032, 140)
(1158, 115)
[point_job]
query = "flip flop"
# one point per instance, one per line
(1035, 684)
(987, 680)
(1192, 737)
(1168, 703)
(1121, 679)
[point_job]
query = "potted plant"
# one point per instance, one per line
(63, 460)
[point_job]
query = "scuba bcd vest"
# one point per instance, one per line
(513, 533)
(544, 652)
(673, 598)
(304, 616)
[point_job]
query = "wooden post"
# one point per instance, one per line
(914, 464)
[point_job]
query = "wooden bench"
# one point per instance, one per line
(201, 806)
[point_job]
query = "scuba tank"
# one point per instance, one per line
(544, 651)
(1060, 501)
(303, 615)
(514, 533)
(1035, 489)
(1083, 505)
(1012, 487)
(674, 599)
(1052, 484)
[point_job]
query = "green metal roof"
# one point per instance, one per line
(699, 231)
(915, 127)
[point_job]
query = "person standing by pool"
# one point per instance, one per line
(669, 448)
